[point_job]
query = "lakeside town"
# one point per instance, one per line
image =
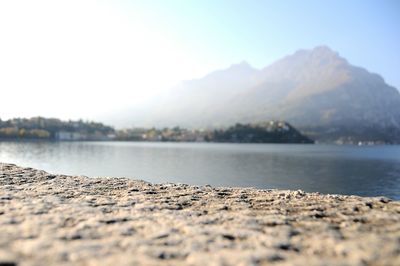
(52, 129)
(39, 128)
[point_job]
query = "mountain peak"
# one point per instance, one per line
(323, 49)
(320, 57)
(242, 64)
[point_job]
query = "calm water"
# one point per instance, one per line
(364, 170)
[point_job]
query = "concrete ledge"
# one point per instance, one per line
(50, 219)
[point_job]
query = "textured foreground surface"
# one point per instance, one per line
(48, 219)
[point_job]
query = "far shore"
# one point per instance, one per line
(210, 142)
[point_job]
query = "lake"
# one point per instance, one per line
(360, 170)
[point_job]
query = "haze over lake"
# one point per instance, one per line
(360, 170)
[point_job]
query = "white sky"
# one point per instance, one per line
(76, 59)
(83, 58)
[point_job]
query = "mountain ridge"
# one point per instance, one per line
(316, 90)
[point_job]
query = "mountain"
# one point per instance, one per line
(321, 93)
(317, 91)
(202, 102)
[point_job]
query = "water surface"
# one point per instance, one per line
(361, 170)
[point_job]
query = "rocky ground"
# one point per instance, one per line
(50, 219)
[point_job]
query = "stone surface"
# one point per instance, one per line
(50, 219)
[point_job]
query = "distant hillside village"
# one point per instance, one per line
(40, 128)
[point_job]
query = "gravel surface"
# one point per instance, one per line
(50, 219)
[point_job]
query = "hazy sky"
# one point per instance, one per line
(79, 59)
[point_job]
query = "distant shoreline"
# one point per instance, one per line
(148, 141)
(171, 141)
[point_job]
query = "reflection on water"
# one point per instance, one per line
(366, 170)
